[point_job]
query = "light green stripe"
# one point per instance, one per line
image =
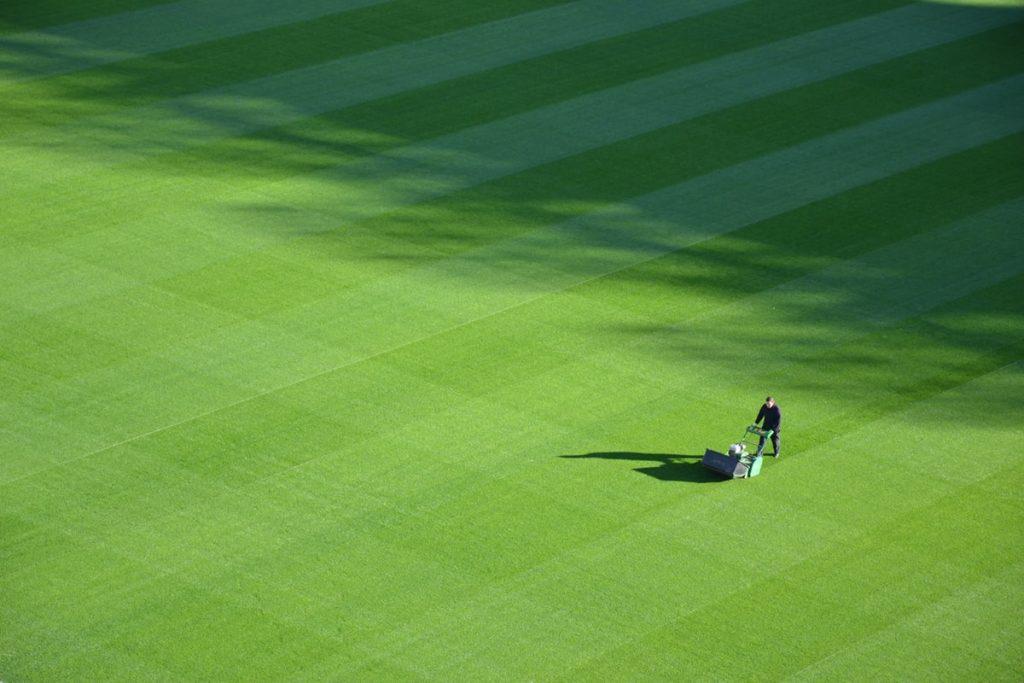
(85, 44)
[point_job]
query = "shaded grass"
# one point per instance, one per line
(143, 80)
(669, 155)
(24, 15)
(321, 142)
(797, 242)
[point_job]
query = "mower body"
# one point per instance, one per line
(737, 465)
(734, 467)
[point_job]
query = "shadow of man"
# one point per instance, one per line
(670, 467)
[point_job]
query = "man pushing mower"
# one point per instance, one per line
(738, 463)
(772, 417)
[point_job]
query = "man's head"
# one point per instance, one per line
(769, 401)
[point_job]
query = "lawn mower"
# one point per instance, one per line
(738, 463)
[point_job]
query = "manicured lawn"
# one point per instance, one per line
(380, 339)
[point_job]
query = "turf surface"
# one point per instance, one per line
(372, 339)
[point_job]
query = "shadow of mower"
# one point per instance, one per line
(670, 467)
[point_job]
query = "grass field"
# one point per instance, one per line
(380, 339)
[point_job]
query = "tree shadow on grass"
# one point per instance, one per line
(671, 467)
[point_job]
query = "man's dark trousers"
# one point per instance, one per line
(775, 442)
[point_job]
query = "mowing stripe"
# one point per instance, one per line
(809, 237)
(516, 88)
(420, 303)
(93, 42)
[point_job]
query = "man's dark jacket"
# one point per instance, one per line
(772, 417)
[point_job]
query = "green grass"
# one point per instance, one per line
(380, 340)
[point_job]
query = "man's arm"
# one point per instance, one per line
(760, 416)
